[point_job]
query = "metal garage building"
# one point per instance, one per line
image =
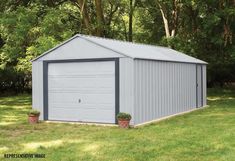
(91, 79)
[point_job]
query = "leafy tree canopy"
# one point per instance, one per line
(203, 29)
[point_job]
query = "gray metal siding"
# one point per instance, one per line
(126, 69)
(37, 86)
(204, 85)
(162, 89)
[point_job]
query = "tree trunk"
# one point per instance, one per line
(170, 31)
(175, 13)
(130, 33)
(50, 3)
(164, 18)
(100, 18)
(125, 30)
(85, 16)
(1, 41)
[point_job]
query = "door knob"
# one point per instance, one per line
(79, 100)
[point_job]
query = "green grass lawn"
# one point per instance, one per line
(206, 134)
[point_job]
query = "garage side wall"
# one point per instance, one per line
(162, 89)
(37, 87)
(126, 79)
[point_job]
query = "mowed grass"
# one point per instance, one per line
(206, 134)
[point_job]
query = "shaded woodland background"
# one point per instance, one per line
(200, 28)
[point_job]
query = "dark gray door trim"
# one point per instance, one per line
(202, 85)
(117, 89)
(45, 90)
(200, 69)
(196, 88)
(45, 81)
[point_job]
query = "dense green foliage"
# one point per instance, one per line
(123, 116)
(203, 29)
(206, 134)
(34, 112)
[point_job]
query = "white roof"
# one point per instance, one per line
(136, 50)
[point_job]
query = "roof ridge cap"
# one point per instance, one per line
(119, 52)
(124, 41)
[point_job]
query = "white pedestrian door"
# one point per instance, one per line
(82, 91)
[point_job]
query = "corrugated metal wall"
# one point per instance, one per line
(162, 89)
(37, 86)
(126, 68)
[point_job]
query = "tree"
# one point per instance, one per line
(203, 29)
(170, 15)
(131, 11)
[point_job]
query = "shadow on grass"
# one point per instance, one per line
(204, 134)
(33, 146)
(14, 109)
(15, 103)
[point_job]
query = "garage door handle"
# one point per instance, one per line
(79, 100)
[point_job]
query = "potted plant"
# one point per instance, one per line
(33, 116)
(123, 119)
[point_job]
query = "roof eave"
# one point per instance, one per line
(201, 62)
(75, 36)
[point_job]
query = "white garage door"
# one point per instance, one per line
(82, 91)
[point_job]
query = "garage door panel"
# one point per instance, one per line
(96, 98)
(84, 68)
(92, 83)
(64, 97)
(105, 116)
(58, 106)
(64, 114)
(82, 114)
(82, 91)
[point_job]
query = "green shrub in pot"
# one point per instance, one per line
(33, 116)
(123, 119)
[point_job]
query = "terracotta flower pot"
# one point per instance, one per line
(123, 123)
(33, 119)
